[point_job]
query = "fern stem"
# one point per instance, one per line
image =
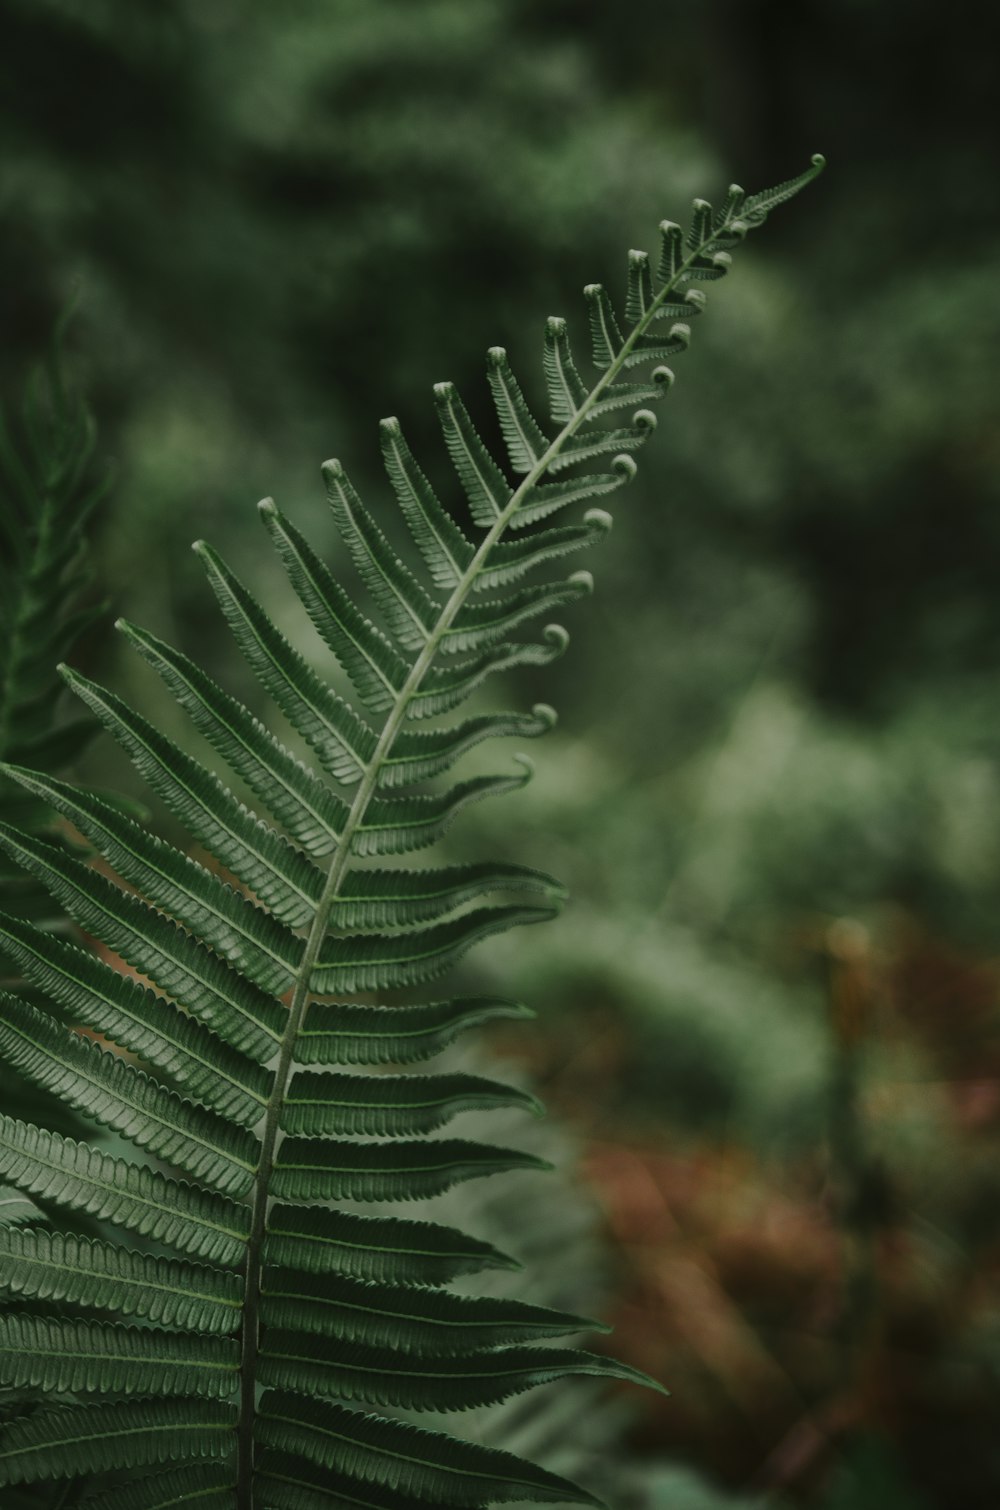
(341, 862)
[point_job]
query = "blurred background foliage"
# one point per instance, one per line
(771, 1010)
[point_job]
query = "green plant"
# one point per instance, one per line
(257, 1037)
(49, 488)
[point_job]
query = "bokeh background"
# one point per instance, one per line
(770, 1015)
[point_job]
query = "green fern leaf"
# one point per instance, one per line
(407, 1459)
(91, 1357)
(270, 869)
(291, 1484)
(439, 539)
(16, 1209)
(349, 1033)
(364, 962)
(205, 1486)
(330, 1105)
(384, 1376)
(605, 337)
(448, 687)
(754, 209)
(132, 1016)
(671, 251)
(409, 610)
(421, 1321)
(526, 444)
(64, 1267)
(639, 298)
(134, 1196)
(591, 443)
(115, 1093)
(66, 1443)
(246, 936)
(483, 624)
(402, 898)
(516, 558)
(567, 390)
(421, 754)
(486, 488)
(229, 1004)
(251, 1082)
(553, 496)
(390, 1250)
(295, 797)
(374, 666)
(313, 1169)
(399, 825)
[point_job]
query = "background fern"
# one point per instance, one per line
(256, 1033)
(49, 487)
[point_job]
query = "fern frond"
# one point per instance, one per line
(64, 1267)
(86, 1439)
(47, 494)
(205, 1486)
(422, 1321)
(294, 796)
(403, 898)
(112, 1091)
(314, 1169)
(63, 1356)
(515, 558)
(486, 488)
(409, 610)
(605, 338)
(351, 1033)
(177, 963)
(437, 536)
(419, 755)
(49, 488)
(252, 1083)
(412, 1462)
(386, 1376)
(132, 1016)
(331, 1105)
(390, 1250)
(567, 390)
(523, 436)
(270, 869)
(90, 1182)
(249, 938)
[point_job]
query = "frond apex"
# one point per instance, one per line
(600, 518)
(527, 766)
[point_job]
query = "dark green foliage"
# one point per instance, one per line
(47, 494)
(249, 954)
